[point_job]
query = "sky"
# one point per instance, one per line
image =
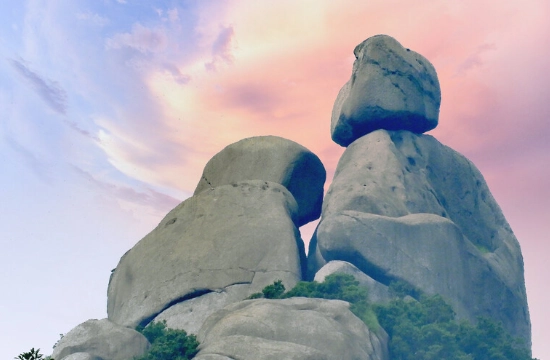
(109, 110)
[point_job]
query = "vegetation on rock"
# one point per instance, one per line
(32, 355)
(421, 330)
(168, 344)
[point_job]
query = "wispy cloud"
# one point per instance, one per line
(141, 38)
(150, 198)
(92, 18)
(36, 165)
(176, 74)
(221, 48)
(49, 90)
(475, 59)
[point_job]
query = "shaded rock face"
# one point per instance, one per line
(404, 207)
(271, 158)
(191, 314)
(295, 328)
(390, 88)
(377, 292)
(233, 234)
(100, 339)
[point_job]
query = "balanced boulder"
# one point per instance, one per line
(241, 233)
(405, 207)
(390, 88)
(271, 158)
(294, 328)
(100, 339)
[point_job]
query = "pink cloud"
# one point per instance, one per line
(141, 38)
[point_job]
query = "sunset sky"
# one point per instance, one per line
(110, 109)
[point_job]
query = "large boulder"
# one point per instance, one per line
(100, 339)
(295, 328)
(472, 256)
(271, 158)
(241, 233)
(390, 88)
(377, 292)
(191, 314)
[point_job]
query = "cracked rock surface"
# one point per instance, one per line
(241, 233)
(405, 207)
(390, 88)
(271, 158)
(295, 328)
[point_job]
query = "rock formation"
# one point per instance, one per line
(404, 207)
(100, 339)
(235, 234)
(271, 158)
(295, 328)
(401, 208)
(390, 88)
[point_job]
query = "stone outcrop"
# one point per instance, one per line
(100, 339)
(295, 328)
(241, 233)
(404, 207)
(271, 158)
(390, 88)
(377, 292)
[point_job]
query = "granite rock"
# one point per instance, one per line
(275, 159)
(295, 328)
(101, 339)
(242, 233)
(390, 88)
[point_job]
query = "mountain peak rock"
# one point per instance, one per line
(390, 88)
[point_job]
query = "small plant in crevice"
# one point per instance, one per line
(168, 344)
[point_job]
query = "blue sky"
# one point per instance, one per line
(110, 109)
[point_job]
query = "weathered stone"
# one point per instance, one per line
(81, 356)
(271, 158)
(390, 88)
(395, 174)
(378, 292)
(295, 328)
(191, 314)
(101, 339)
(233, 234)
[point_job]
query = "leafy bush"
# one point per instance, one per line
(419, 330)
(426, 330)
(32, 355)
(168, 344)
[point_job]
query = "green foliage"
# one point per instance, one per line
(168, 344)
(274, 291)
(426, 329)
(419, 330)
(32, 355)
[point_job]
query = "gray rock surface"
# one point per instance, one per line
(395, 174)
(295, 328)
(271, 158)
(390, 88)
(191, 314)
(378, 292)
(81, 356)
(100, 339)
(233, 234)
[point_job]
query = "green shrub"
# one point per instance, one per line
(168, 344)
(32, 355)
(421, 330)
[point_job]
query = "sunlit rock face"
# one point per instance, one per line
(295, 328)
(405, 207)
(244, 233)
(271, 158)
(390, 88)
